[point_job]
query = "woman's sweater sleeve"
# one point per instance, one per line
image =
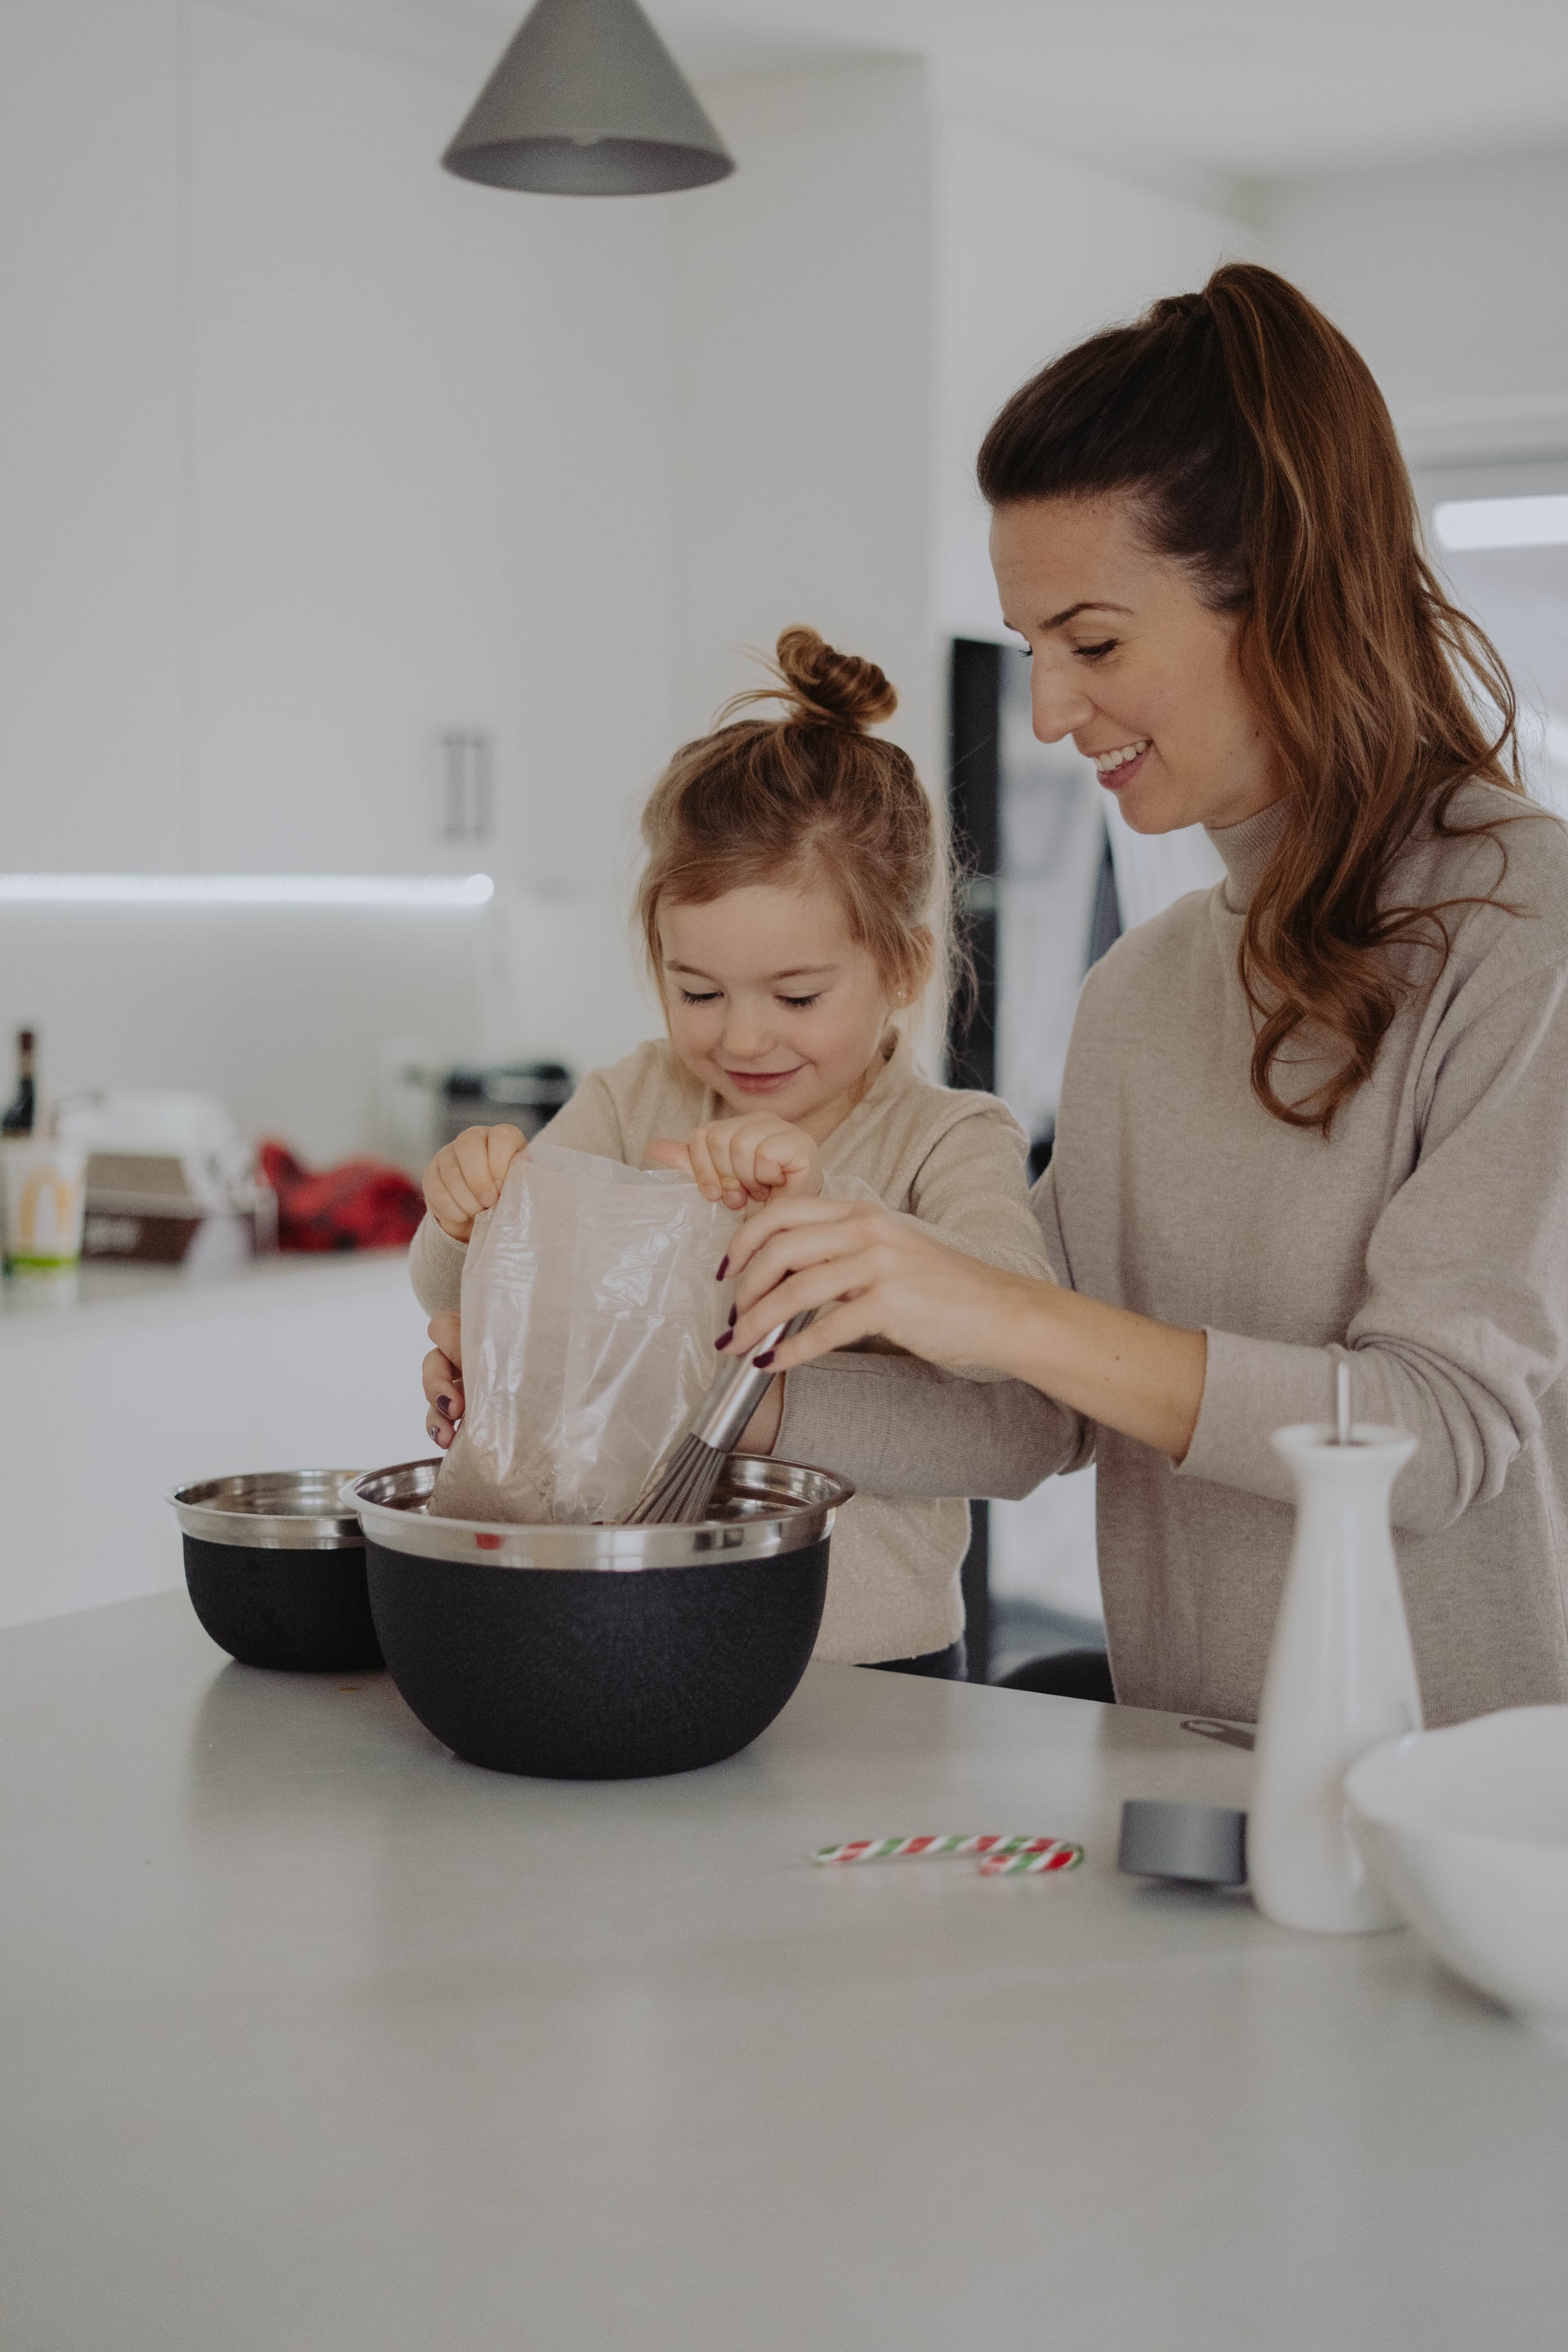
(589, 1122)
(892, 1425)
(1464, 1326)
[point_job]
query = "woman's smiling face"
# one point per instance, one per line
(1130, 662)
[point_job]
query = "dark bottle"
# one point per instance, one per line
(24, 1110)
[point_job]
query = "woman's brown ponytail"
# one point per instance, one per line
(1262, 456)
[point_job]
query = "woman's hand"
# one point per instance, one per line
(869, 1273)
(746, 1162)
(466, 1176)
(866, 1273)
(443, 1379)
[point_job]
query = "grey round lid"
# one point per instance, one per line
(1205, 1844)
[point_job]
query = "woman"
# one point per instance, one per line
(1319, 1115)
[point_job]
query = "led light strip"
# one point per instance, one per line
(1464, 524)
(421, 890)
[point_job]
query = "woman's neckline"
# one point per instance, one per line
(1247, 849)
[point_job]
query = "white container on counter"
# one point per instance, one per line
(44, 1184)
(1341, 1678)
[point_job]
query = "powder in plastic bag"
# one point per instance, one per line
(589, 1316)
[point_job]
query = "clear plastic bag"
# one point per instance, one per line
(589, 1316)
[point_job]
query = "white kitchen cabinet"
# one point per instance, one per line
(408, 418)
(90, 482)
(312, 454)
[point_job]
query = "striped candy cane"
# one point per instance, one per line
(910, 1849)
(1058, 1853)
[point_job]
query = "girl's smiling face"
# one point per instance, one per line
(772, 1004)
(1130, 662)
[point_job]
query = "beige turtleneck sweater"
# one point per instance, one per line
(954, 1160)
(1426, 1241)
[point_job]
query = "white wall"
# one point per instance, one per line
(281, 1012)
(1448, 276)
(801, 416)
(1033, 252)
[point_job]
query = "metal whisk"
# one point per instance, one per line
(680, 1489)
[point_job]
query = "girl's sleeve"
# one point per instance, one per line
(1464, 1326)
(589, 1122)
(974, 1190)
(436, 1267)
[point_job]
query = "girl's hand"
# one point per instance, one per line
(868, 1274)
(746, 1162)
(466, 1176)
(443, 1379)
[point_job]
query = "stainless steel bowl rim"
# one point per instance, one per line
(392, 1509)
(270, 1510)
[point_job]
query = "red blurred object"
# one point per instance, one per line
(360, 1204)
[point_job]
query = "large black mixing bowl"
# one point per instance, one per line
(600, 1653)
(274, 1568)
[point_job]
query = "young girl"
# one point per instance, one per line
(795, 911)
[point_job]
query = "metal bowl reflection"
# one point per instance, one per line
(275, 1566)
(584, 1652)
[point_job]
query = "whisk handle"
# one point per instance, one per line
(740, 1389)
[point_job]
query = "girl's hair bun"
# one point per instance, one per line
(823, 685)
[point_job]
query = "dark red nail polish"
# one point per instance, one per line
(444, 1404)
(723, 1339)
(761, 1363)
(724, 1269)
(732, 1313)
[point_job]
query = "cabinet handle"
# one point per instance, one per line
(468, 785)
(453, 750)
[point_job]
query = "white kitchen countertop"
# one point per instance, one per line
(315, 2040)
(99, 1286)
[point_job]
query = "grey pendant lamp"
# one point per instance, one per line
(588, 102)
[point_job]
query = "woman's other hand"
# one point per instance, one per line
(443, 1379)
(467, 1175)
(746, 1162)
(866, 1273)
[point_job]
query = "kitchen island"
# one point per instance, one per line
(315, 2039)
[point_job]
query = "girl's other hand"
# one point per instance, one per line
(443, 1379)
(746, 1162)
(466, 1176)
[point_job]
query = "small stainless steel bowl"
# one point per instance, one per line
(275, 1566)
(588, 1653)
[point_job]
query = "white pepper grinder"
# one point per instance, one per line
(1341, 1677)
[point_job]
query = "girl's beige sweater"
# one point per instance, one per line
(954, 1160)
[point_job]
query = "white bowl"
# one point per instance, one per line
(1467, 1832)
